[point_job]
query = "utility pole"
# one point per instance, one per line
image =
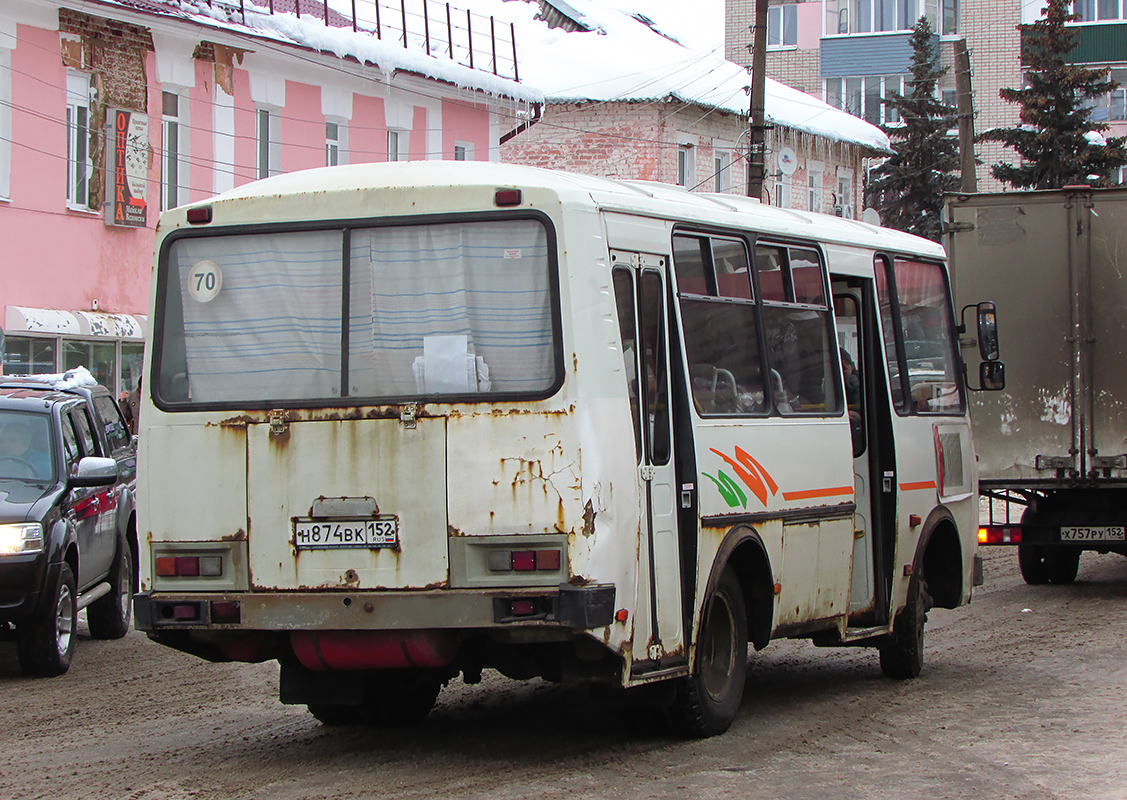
(756, 169)
(964, 106)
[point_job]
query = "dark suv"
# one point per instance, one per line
(68, 536)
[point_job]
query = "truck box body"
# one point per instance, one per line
(1055, 441)
(1055, 263)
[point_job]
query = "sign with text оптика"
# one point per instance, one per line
(128, 161)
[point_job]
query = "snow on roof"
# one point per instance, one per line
(646, 50)
(387, 54)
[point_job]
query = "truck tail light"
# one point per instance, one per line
(999, 534)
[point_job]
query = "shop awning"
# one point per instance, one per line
(52, 322)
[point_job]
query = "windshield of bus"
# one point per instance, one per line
(460, 309)
(25, 446)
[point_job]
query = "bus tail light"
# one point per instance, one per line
(525, 560)
(189, 566)
(999, 534)
(226, 612)
(199, 215)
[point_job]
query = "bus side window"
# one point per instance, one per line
(718, 318)
(627, 328)
(796, 319)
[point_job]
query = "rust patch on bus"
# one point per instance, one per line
(240, 421)
(454, 532)
(588, 520)
(238, 536)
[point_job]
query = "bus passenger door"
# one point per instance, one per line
(640, 293)
(873, 457)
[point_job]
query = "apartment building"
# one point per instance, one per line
(851, 53)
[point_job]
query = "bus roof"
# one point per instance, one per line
(322, 193)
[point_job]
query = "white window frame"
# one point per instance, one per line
(463, 151)
(175, 137)
(267, 148)
(866, 17)
(782, 26)
(814, 186)
(722, 166)
(80, 165)
(686, 166)
(854, 93)
(843, 201)
(336, 146)
(398, 144)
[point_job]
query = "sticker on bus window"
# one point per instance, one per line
(512, 253)
(204, 281)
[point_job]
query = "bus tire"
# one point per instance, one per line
(1064, 564)
(109, 615)
(1034, 563)
(902, 654)
(45, 642)
(400, 697)
(708, 699)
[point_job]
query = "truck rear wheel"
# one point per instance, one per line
(1063, 564)
(45, 643)
(1032, 558)
(707, 700)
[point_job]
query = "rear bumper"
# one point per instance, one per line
(576, 608)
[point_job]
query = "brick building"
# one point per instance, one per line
(851, 53)
(112, 110)
(650, 109)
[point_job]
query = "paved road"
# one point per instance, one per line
(1022, 696)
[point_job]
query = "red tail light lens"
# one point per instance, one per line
(227, 612)
(999, 534)
(524, 560)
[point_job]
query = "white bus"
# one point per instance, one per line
(405, 422)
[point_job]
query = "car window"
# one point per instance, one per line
(85, 433)
(70, 444)
(25, 446)
(116, 433)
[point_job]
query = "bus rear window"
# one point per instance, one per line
(457, 309)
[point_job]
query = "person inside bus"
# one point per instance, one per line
(853, 400)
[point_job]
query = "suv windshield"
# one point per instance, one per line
(25, 446)
(367, 313)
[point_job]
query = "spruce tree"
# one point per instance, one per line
(907, 188)
(1055, 140)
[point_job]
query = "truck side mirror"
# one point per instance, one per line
(988, 333)
(992, 376)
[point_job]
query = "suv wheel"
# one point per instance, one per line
(108, 616)
(45, 643)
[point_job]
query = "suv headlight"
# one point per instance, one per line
(25, 537)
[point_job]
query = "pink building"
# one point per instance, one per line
(112, 111)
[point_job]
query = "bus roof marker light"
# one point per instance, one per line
(199, 215)
(507, 197)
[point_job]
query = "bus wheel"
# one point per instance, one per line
(902, 655)
(1064, 564)
(708, 699)
(334, 715)
(1034, 563)
(397, 697)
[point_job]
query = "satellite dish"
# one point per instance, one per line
(788, 161)
(870, 216)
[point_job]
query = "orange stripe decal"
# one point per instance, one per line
(808, 494)
(908, 487)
